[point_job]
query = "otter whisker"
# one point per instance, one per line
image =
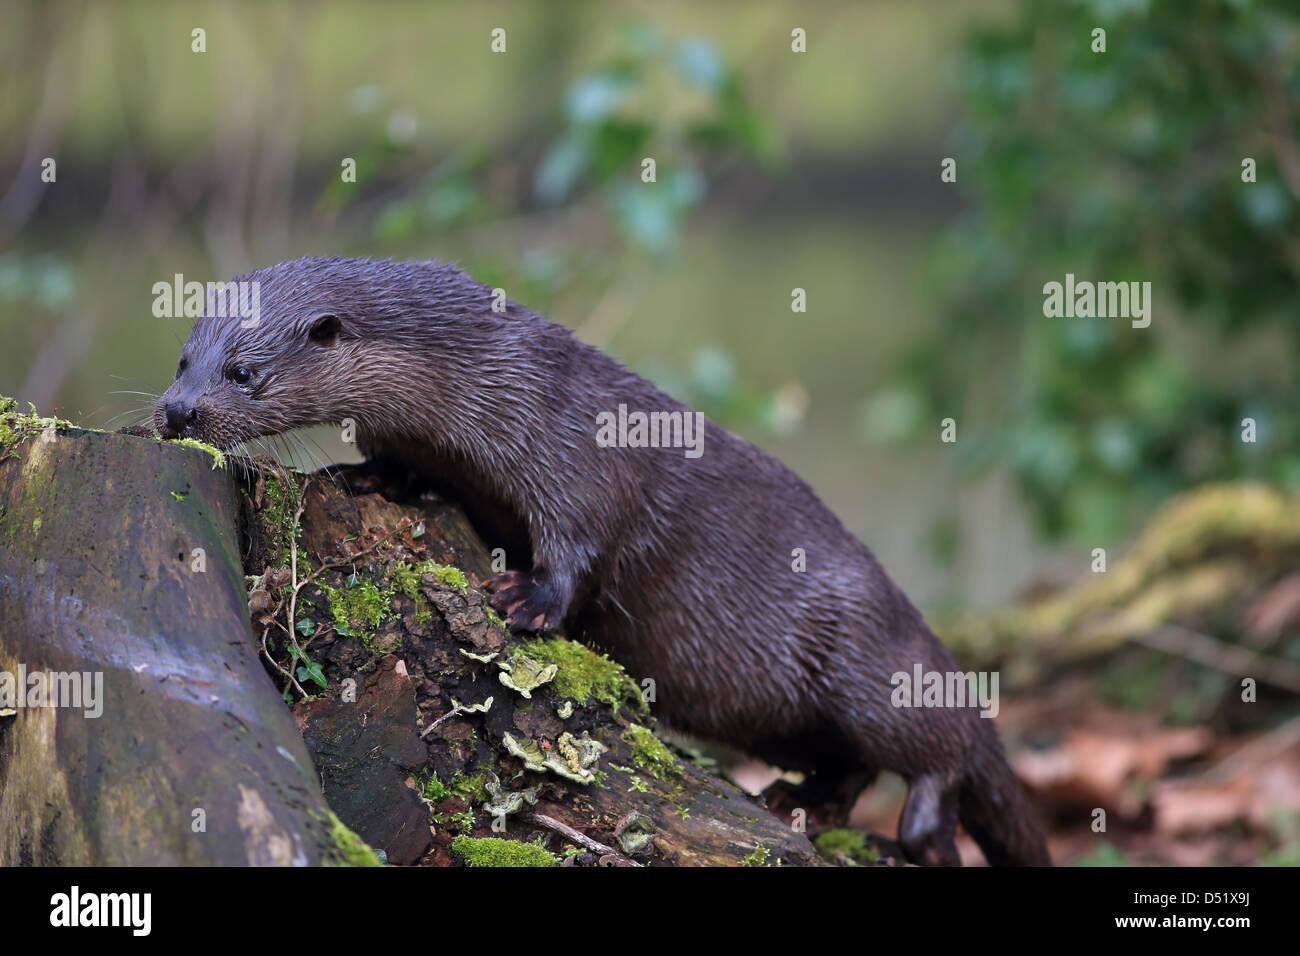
(155, 392)
(295, 451)
(283, 453)
(265, 449)
(333, 470)
(136, 412)
(298, 452)
(321, 460)
(116, 418)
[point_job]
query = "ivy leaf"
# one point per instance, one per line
(312, 672)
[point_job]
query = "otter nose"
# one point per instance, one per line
(178, 416)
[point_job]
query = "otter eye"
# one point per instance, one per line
(240, 375)
(184, 362)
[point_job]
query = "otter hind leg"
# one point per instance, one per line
(825, 797)
(928, 826)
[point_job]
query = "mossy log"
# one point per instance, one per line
(438, 737)
(1202, 557)
(516, 750)
(119, 561)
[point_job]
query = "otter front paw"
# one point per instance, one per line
(526, 603)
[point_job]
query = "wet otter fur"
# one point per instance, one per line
(679, 567)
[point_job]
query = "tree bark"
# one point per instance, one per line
(120, 561)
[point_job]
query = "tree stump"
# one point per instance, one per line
(193, 757)
(436, 734)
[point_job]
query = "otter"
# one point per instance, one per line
(678, 565)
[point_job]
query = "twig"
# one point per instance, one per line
(287, 674)
(1255, 753)
(295, 585)
(569, 833)
(1237, 661)
(293, 566)
(458, 709)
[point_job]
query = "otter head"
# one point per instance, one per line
(246, 373)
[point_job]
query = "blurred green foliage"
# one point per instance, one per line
(1118, 166)
(44, 280)
(678, 101)
(613, 116)
(674, 100)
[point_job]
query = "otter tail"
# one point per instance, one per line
(994, 809)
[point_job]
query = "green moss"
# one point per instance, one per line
(434, 790)
(16, 427)
(853, 843)
(584, 674)
(218, 456)
(406, 577)
(758, 857)
(446, 574)
(405, 580)
(649, 752)
(358, 608)
(349, 849)
(472, 787)
(278, 512)
(492, 851)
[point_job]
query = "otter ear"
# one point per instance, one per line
(324, 330)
